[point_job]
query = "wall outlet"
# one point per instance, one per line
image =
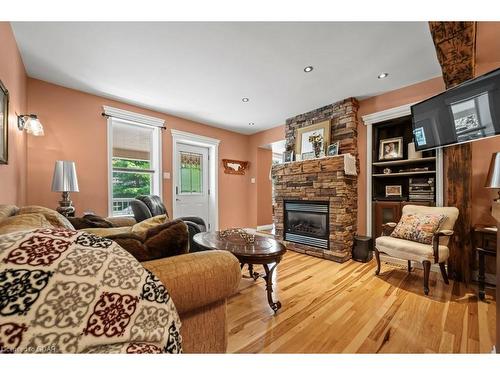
(166, 175)
(252, 180)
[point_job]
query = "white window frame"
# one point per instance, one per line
(115, 115)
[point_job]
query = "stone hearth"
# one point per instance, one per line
(322, 180)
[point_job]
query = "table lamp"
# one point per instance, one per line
(65, 181)
(493, 179)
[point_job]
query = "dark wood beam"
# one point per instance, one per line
(455, 49)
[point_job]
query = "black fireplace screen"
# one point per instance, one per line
(307, 223)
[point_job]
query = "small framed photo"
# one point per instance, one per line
(308, 155)
(333, 149)
(287, 156)
(391, 148)
(393, 191)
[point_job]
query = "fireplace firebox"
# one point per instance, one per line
(306, 222)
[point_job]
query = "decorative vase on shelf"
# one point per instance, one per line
(317, 143)
(412, 154)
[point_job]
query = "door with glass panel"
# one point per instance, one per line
(191, 192)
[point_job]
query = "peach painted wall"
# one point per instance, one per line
(75, 130)
(13, 76)
(264, 187)
(259, 173)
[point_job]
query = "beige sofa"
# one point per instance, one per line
(199, 284)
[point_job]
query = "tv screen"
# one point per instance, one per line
(463, 113)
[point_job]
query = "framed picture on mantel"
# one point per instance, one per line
(302, 143)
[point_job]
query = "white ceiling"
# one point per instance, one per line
(202, 70)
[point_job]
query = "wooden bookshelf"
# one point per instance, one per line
(385, 208)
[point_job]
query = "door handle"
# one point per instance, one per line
(177, 199)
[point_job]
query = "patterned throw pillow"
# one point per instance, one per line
(418, 227)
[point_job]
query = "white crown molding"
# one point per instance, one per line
(133, 116)
(387, 114)
(194, 137)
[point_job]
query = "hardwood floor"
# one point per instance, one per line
(344, 308)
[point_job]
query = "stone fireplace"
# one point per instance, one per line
(315, 200)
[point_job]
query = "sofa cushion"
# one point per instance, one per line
(410, 250)
(90, 221)
(160, 241)
(54, 217)
(7, 210)
(418, 227)
(23, 222)
(77, 293)
(105, 232)
(149, 223)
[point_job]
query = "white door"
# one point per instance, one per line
(191, 192)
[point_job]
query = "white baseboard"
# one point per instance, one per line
(265, 227)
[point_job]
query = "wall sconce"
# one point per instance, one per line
(31, 124)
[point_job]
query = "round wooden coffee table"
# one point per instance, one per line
(263, 250)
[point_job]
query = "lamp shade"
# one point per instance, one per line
(493, 179)
(64, 178)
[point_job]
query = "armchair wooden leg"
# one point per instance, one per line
(427, 271)
(409, 266)
(377, 257)
(443, 272)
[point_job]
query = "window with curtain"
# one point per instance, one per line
(134, 162)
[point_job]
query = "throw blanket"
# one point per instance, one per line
(64, 291)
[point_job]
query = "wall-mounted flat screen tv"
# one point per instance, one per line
(464, 113)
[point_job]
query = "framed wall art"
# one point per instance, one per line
(303, 144)
(234, 166)
(4, 124)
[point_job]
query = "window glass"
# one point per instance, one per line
(191, 173)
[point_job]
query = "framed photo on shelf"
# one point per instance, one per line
(4, 123)
(393, 191)
(308, 155)
(391, 148)
(302, 143)
(287, 156)
(333, 149)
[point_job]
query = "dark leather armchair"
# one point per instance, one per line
(146, 206)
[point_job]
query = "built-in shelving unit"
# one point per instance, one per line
(413, 175)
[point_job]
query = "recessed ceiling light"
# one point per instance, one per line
(251, 123)
(245, 100)
(382, 75)
(308, 69)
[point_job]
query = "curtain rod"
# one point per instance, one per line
(124, 119)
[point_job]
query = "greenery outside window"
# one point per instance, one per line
(135, 155)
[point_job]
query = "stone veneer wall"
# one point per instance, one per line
(344, 123)
(319, 180)
(322, 179)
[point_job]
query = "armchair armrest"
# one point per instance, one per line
(435, 241)
(388, 228)
(197, 279)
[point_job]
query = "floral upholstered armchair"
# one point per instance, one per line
(422, 235)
